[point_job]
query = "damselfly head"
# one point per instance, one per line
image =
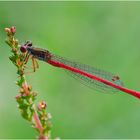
(28, 43)
(24, 47)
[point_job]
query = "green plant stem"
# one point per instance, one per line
(37, 116)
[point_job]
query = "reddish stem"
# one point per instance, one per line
(36, 118)
(38, 123)
(43, 138)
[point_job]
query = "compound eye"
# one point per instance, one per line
(23, 49)
(29, 43)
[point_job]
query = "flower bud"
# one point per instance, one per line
(7, 30)
(42, 105)
(13, 29)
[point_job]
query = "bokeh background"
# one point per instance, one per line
(102, 34)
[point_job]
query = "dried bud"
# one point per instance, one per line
(42, 105)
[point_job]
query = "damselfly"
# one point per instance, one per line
(90, 76)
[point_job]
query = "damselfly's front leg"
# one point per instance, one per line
(26, 58)
(35, 64)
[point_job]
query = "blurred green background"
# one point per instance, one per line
(102, 34)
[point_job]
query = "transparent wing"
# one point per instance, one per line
(94, 71)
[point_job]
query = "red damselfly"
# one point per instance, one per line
(90, 76)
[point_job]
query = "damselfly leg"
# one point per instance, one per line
(34, 62)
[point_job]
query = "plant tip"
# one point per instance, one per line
(13, 29)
